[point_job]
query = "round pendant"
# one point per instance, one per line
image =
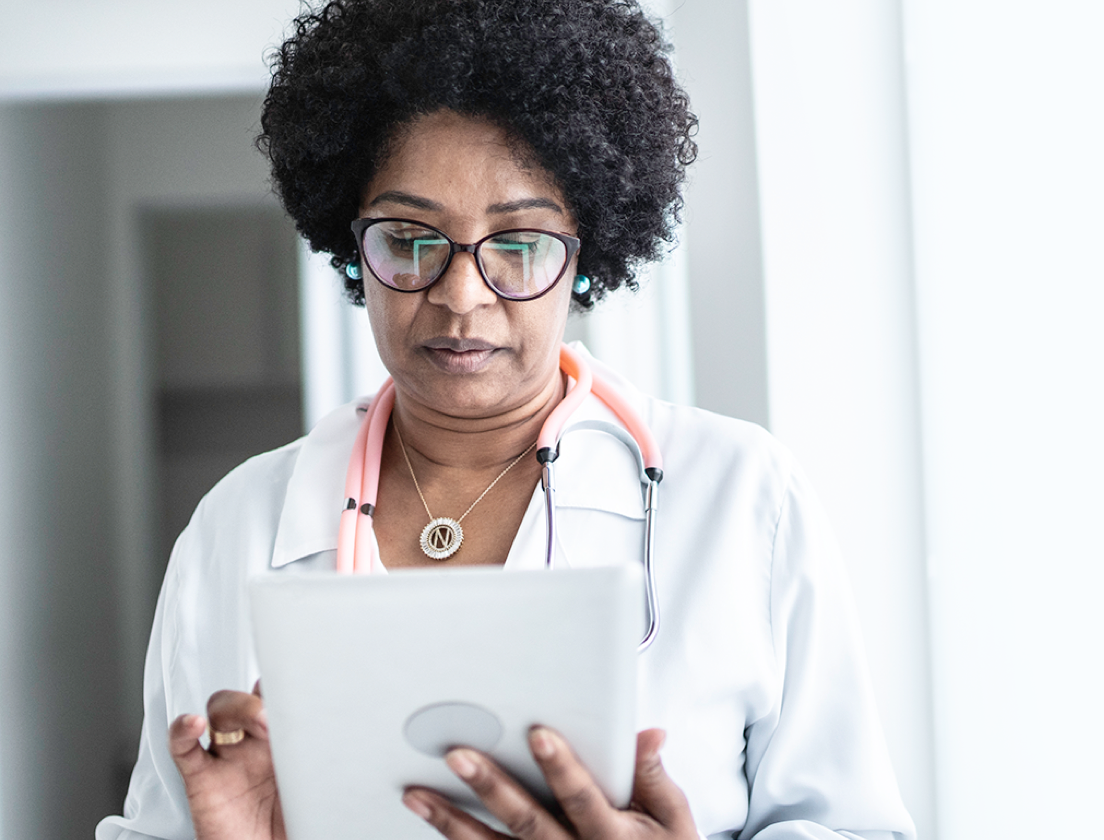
(441, 538)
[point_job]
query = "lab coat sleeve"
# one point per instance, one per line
(201, 640)
(816, 762)
(156, 806)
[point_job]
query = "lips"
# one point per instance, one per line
(459, 355)
(458, 345)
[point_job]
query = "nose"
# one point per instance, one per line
(461, 288)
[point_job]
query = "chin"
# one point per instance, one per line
(464, 395)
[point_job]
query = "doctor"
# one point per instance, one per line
(550, 146)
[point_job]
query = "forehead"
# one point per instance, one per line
(464, 163)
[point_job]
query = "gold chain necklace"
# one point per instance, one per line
(442, 537)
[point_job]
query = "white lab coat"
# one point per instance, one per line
(757, 675)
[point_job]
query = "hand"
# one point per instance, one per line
(658, 808)
(231, 788)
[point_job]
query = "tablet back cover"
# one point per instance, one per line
(357, 670)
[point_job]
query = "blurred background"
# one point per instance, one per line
(891, 257)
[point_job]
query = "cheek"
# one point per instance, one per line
(562, 292)
(388, 319)
(546, 322)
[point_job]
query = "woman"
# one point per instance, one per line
(467, 121)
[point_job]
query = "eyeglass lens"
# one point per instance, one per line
(518, 264)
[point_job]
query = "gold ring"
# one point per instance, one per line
(226, 739)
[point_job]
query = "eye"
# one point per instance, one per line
(400, 243)
(521, 237)
(410, 240)
(516, 245)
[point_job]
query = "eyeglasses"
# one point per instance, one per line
(409, 256)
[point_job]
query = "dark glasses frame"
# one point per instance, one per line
(571, 245)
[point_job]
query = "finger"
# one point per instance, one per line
(184, 746)
(231, 710)
(522, 815)
(452, 822)
(653, 791)
(582, 801)
(257, 688)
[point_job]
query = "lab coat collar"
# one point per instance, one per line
(316, 490)
(315, 497)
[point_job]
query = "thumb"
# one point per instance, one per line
(187, 753)
(653, 791)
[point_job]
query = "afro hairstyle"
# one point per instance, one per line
(585, 85)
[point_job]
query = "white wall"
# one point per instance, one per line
(721, 233)
(64, 48)
(1007, 132)
(841, 349)
(339, 360)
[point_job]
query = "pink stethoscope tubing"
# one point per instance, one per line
(356, 548)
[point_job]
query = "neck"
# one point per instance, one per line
(468, 443)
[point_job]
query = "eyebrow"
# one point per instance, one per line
(525, 204)
(419, 203)
(396, 197)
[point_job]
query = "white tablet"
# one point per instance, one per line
(368, 680)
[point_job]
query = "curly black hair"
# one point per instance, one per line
(586, 84)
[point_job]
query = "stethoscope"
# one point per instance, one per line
(356, 548)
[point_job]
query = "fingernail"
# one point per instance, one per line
(417, 805)
(461, 763)
(542, 742)
(262, 719)
(662, 740)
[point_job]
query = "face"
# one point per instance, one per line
(457, 348)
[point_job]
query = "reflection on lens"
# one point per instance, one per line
(522, 263)
(403, 255)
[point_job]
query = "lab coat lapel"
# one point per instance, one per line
(315, 494)
(596, 482)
